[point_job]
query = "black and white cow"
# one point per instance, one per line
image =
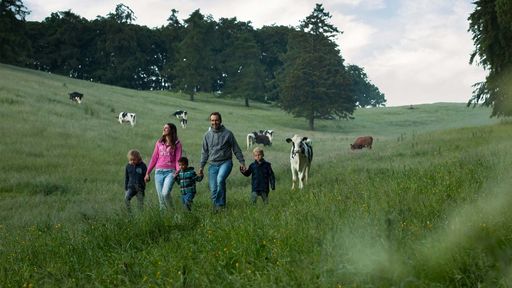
(301, 156)
(182, 115)
(76, 97)
(262, 137)
(127, 117)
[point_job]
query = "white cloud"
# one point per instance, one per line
(426, 58)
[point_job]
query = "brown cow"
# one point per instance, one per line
(361, 142)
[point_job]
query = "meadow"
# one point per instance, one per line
(427, 207)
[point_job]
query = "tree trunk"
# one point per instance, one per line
(192, 97)
(311, 121)
(246, 102)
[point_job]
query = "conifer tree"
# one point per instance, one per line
(314, 83)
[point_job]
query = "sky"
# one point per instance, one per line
(415, 52)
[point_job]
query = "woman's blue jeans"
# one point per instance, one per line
(164, 179)
(217, 175)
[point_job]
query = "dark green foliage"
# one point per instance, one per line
(13, 43)
(366, 93)
(123, 14)
(317, 23)
(491, 26)
(172, 34)
(243, 74)
(194, 68)
(273, 42)
(314, 83)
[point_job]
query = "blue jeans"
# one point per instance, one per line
(187, 200)
(254, 197)
(164, 179)
(130, 193)
(217, 175)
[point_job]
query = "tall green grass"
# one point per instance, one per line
(427, 207)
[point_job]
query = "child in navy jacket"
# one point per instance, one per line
(262, 176)
(134, 184)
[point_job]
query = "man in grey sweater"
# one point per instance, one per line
(219, 144)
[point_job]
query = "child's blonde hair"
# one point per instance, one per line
(135, 154)
(258, 150)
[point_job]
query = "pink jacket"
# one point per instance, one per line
(164, 157)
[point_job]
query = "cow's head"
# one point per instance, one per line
(269, 134)
(356, 146)
(297, 144)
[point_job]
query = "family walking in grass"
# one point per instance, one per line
(218, 146)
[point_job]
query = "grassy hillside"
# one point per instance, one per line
(426, 207)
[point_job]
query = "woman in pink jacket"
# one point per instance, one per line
(165, 161)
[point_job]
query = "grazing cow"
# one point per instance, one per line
(361, 142)
(126, 117)
(301, 156)
(182, 115)
(76, 97)
(262, 137)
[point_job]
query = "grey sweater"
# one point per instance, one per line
(219, 146)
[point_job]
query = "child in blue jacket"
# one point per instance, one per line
(262, 176)
(134, 184)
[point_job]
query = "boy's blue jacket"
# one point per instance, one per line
(262, 176)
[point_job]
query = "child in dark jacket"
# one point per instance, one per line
(134, 184)
(262, 176)
(186, 177)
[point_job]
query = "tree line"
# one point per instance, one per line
(299, 68)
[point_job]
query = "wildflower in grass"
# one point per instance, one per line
(429, 225)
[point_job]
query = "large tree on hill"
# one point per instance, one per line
(491, 26)
(314, 82)
(194, 69)
(14, 46)
(367, 94)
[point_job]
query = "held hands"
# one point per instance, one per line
(242, 168)
(200, 173)
(147, 178)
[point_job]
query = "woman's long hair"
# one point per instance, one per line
(173, 135)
